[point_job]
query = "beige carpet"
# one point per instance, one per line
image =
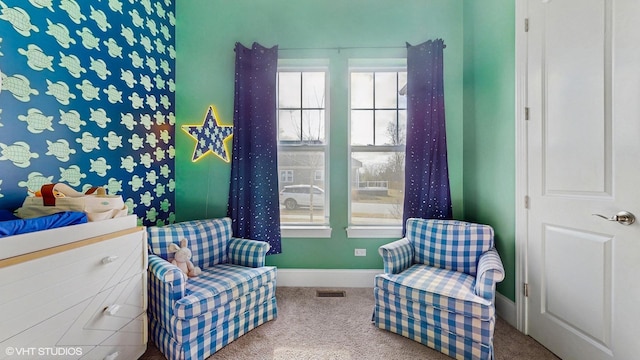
(309, 327)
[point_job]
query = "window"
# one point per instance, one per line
(302, 139)
(286, 176)
(378, 117)
(374, 116)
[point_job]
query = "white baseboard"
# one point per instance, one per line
(506, 309)
(327, 277)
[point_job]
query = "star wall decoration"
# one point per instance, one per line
(210, 136)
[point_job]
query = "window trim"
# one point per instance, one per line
(305, 231)
(374, 231)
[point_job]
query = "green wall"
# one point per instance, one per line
(480, 96)
(206, 34)
(489, 124)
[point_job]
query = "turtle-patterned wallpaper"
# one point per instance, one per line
(88, 90)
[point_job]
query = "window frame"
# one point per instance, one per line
(288, 175)
(380, 66)
(309, 230)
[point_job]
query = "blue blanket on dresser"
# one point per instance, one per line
(13, 225)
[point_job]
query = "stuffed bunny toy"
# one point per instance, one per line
(182, 259)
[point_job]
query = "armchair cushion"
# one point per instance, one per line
(208, 240)
(218, 286)
(442, 289)
(449, 244)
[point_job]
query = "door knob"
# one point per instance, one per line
(623, 217)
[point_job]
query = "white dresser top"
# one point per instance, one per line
(11, 246)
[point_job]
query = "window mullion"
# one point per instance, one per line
(378, 148)
(301, 107)
(397, 94)
(374, 108)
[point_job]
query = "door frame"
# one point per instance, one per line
(521, 166)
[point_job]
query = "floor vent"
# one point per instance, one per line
(331, 293)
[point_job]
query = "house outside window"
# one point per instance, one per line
(378, 117)
(302, 146)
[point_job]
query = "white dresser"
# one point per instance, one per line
(78, 292)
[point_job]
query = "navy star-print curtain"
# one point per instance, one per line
(253, 193)
(427, 193)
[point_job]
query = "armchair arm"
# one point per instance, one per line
(166, 286)
(490, 272)
(164, 271)
(396, 256)
(245, 252)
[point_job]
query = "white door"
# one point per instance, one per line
(583, 156)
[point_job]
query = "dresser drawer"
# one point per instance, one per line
(42, 287)
(127, 344)
(116, 316)
(108, 312)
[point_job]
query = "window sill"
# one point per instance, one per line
(305, 231)
(374, 232)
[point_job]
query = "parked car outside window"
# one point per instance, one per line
(295, 196)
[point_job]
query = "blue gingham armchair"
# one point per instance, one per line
(439, 287)
(192, 318)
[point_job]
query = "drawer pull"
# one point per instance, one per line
(109, 259)
(111, 310)
(113, 356)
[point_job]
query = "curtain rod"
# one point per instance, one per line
(339, 48)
